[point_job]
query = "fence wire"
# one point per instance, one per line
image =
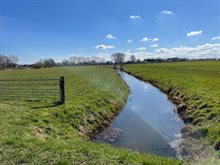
(30, 89)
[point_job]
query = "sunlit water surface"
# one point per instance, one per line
(147, 123)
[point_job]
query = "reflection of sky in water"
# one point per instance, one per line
(147, 120)
(152, 106)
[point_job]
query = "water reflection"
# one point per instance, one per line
(147, 123)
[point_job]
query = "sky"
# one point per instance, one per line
(58, 29)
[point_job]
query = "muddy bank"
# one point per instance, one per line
(103, 122)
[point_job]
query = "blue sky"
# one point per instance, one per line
(34, 29)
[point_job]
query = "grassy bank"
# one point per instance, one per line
(196, 84)
(40, 133)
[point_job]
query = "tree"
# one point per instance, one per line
(39, 64)
(2, 61)
(13, 59)
(45, 63)
(133, 58)
(73, 60)
(8, 61)
(65, 62)
(118, 58)
(49, 62)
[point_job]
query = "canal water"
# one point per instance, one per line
(147, 123)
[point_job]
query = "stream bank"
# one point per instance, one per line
(147, 123)
(193, 147)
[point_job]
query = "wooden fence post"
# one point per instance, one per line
(62, 90)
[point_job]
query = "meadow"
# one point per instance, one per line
(197, 85)
(43, 133)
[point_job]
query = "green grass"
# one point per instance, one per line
(197, 84)
(40, 133)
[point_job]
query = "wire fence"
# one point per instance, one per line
(48, 90)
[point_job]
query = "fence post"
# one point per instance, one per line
(62, 90)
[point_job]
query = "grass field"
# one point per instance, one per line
(197, 84)
(40, 133)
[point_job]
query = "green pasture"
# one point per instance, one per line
(198, 85)
(46, 133)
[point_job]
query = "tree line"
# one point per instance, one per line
(8, 61)
(117, 59)
(45, 63)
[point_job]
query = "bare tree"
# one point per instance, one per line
(13, 59)
(8, 61)
(65, 62)
(73, 60)
(133, 58)
(118, 58)
(39, 64)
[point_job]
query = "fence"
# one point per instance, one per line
(33, 89)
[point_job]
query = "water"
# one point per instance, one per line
(147, 123)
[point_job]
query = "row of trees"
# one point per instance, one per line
(80, 60)
(8, 61)
(117, 59)
(45, 63)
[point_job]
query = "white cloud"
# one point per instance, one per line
(200, 51)
(134, 17)
(194, 33)
(155, 39)
(110, 36)
(154, 46)
(167, 12)
(141, 49)
(145, 39)
(129, 41)
(216, 38)
(103, 47)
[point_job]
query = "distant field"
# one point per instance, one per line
(197, 84)
(41, 133)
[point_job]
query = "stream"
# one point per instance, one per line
(147, 123)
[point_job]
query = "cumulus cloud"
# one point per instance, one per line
(216, 38)
(167, 12)
(154, 46)
(145, 39)
(155, 39)
(141, 49)
(194, 33)
(110, 36)
(135, 17)
(104, 47)
(129, 41)
(200, 51)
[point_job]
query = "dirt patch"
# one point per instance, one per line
(39, 133)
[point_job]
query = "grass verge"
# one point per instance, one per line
(40, 133)
(195, 87)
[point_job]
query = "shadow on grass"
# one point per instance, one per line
(46, 105)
